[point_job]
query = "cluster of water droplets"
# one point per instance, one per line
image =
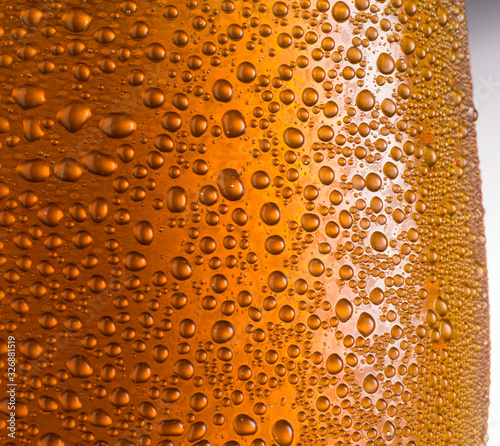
(231, 223)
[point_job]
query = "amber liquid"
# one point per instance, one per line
(230, 223)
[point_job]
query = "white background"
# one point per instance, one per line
(483, 18)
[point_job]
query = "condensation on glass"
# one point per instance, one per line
(241, 223)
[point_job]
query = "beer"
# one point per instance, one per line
(240, 222)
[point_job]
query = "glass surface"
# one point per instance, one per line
(231, 223)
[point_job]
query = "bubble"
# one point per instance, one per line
(97, 284)
(345, 219)
(105, 35)
(354, 55)
(100, 418)
(326, 175)
(240, 217)
(331, 109)
(170, 12)
(430, 156)
(446, 330)
(160, 353)
(180, 101)
(346, 272)
(74, 115)
(81, 72)
(316, 267)
(408, 45)
(219, 283)
(147, 410)
(170, 395)
(196, 431)
(180, 38)
(332, 229)
(184, 369)
(390, 170)
(139, 30)
(141, 372)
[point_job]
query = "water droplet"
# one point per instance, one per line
(76, 20)
(230, 185)
(366, 324)
(117, 125)
(334, 364)
(365, 100)
(74, 115)
(233, 124)
(283, 433)
(244, 425)
(222, 331)
(28, 96)
(341, 12)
